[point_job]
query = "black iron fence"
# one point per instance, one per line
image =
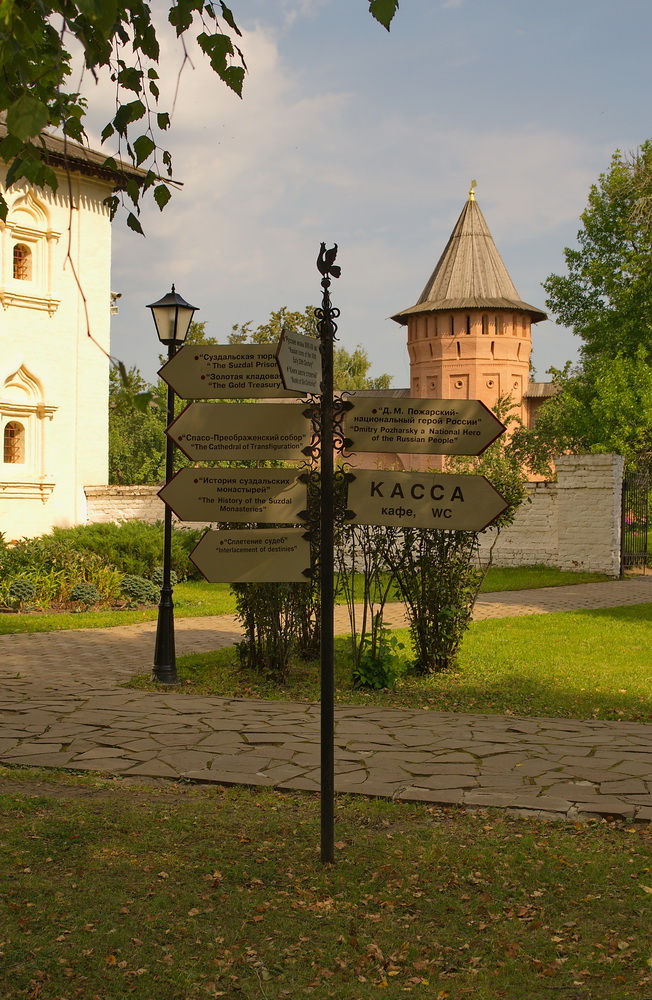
(637, 523)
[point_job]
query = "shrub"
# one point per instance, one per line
(133, 547)
(21, 591)
(85, 593)
(54, 568)
(157, 577)
(139, 590)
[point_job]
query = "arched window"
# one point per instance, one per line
(14, 443)
(485, 324)
(22, 262)
(452, 326)
(468, 324)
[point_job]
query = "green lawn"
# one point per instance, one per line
(185, 893)
(198, 598)
(576, 664)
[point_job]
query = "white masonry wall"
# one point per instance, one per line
(574, 523)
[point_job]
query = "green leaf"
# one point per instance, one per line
(107, 131)
(101, 13)
(126, 114)
(228, 17)
(161, 195)
(131, 79)
(383, 11)
(143, 147)
(233, 77)
(163, 120)
(143, 401)
(134, 224)
(26, 117)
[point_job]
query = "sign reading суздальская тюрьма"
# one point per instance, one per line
(420, 426)
(225, 371)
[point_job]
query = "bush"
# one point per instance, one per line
(139, 590)
(54, 567)
(21, 591)
(85, 593)
(134, 547)
(157, 578)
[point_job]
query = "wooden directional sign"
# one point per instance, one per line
(210, 432)
(254, 495)
(299, 362)
(265, 556)
(424, 500)
(421, 426)
(224, 371)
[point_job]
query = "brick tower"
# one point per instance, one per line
(469, 334)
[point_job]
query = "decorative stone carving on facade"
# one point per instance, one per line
(22, 403)
(28, 226)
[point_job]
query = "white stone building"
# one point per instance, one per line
(55, 298)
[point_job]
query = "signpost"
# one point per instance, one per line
(299, 362)
(225, 371)
(421, 426)
(423, 500)
(211, 432)
(264, 496)
(265, 556)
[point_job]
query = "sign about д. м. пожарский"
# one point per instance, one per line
(421, 426)
(222, 432)
(225, 371)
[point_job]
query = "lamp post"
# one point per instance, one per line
(172, 317)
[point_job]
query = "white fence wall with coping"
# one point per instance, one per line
(573, 523)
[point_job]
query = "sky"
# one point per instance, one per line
(352, 135)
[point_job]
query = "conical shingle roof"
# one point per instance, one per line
(470, 273)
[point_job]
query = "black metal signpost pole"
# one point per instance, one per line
(327, 328)
(165, 663)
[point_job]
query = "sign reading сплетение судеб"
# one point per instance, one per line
(421, 426)
(265, 556)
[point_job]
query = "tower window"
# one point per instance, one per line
(498, 322)
(22, 262)
(452, 326)
(468, 324)
(14, 443)
(485, 324)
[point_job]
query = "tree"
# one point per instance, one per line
(137, 421)
(606, 295)
(38, 88)
(350, 370)
(604, 404)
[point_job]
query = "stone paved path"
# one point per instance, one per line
(61, 708)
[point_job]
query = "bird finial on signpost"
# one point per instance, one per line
(326, 262)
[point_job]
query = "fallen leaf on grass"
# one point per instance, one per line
(646, 888)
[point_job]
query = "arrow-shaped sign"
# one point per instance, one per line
(224, 371)
(265, 556)
(423, 500)
(264, 496)
(421, 426)
(299, 362)
(214, 432)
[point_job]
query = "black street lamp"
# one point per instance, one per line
(172, 317)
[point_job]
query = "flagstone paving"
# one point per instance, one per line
(62, 708)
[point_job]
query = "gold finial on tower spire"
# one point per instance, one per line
(474, 185)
